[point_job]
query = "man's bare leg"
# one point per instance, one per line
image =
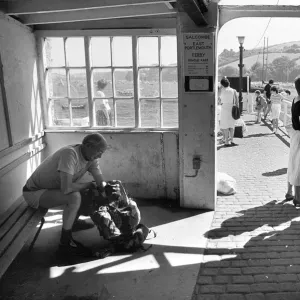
(71, 202)
(54, 198)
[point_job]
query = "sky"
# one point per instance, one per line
(280, 30)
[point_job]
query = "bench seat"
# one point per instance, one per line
(16, 226)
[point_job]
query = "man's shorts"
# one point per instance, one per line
(33, 197)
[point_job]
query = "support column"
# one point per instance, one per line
(197, 124)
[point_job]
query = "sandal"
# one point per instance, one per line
(296, 203)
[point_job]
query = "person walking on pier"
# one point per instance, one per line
(267, 94)
(260, 104)
(276, 100)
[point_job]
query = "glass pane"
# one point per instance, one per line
(80, 112)
(122, 51)
(168, 52)
(60, 113)
(100, 53)
(104, 112)
(75, 52)
(102, 82)
(148, 51)
(125, 113)
(54, 51)
(57, 83)
(148, 83)
(169, 87)
(78, 87)
(150, 113)
(123, 82)
(170, 113)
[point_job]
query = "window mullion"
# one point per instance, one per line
(135, 82)
(160, 80)
(68, 83)
(113, 81)
(87, 51)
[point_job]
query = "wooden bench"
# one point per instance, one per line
(16, 226)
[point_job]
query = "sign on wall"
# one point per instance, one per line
(198, 62)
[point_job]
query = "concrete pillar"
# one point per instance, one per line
(197, 124)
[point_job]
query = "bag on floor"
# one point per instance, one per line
(238, 132)
(118, 221)
(240, 128)
(226, 184)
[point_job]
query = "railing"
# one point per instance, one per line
(285, 116)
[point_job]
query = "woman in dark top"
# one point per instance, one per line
(294, 156)
(267, 94)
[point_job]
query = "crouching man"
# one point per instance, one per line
(55, 183)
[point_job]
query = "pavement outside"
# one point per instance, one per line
(253, 251)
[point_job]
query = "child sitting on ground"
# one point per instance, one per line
(260, 103)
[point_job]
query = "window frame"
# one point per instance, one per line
(87, 35)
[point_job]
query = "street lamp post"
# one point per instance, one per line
(241, 41)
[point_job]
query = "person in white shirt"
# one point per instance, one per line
(56, 183)
(276, 100)
(103, 115)
(227, 96)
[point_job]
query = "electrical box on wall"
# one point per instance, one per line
(199, 62)
(196, 162)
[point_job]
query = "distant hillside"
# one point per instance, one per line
(227, 57)
(251, 60)
(280, 47)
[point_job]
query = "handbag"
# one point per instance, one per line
(235, 109)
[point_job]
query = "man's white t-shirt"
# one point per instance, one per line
(68, 159)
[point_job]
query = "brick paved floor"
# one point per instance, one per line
(253, 250)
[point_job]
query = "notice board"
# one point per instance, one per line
(198, 62)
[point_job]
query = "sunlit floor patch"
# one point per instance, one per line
(147, 262)
(183, 259)
(187, 232)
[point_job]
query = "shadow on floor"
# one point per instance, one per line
(253, 259)
(278, 172)
(283, 136)
(167, 270)
(258, 135)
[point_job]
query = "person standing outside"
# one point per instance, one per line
(267, 94)
(293, 172)
(56, 182)
(276, 100)
(260, 104)
(227, 96)
(103, 115)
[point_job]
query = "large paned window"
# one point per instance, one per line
(127, 81)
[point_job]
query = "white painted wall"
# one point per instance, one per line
(18, 52)
(197, 125)
(146, 162)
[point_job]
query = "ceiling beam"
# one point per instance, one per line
(97, 14)
(166, 21)
(192, 8)
(230, 12)
(19, 7)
